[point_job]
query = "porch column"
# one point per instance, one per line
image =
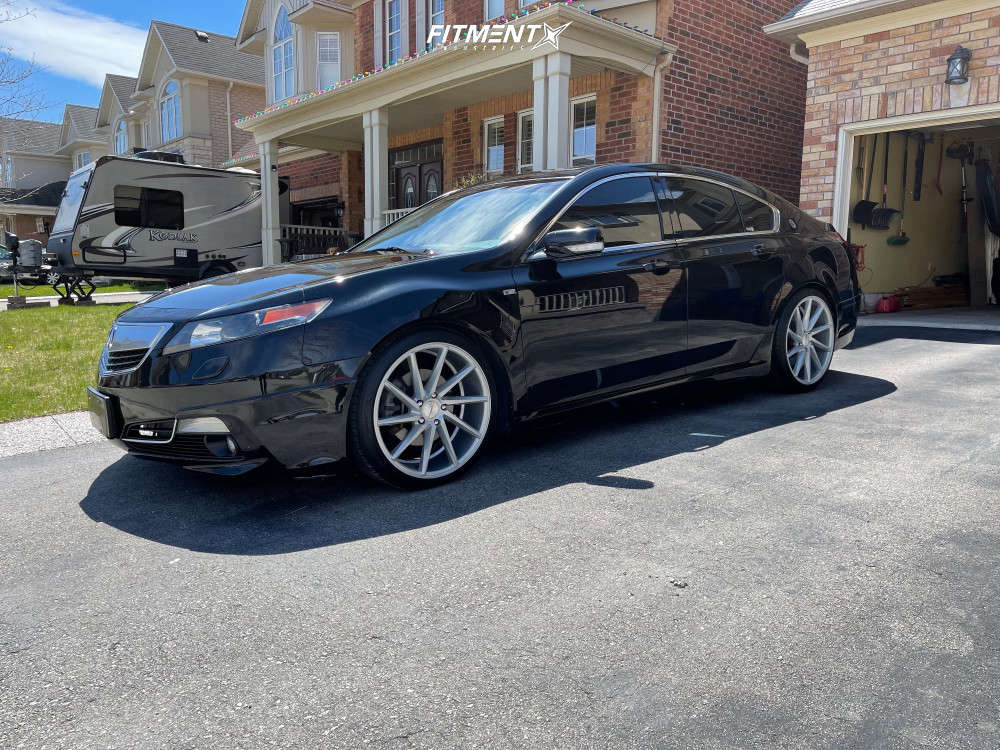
(539, 114)
(557, 125)
(270, 219)
(376, 125)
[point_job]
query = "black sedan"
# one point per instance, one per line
(488, 305)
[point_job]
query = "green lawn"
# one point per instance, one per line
(44, 290)
(48, 357)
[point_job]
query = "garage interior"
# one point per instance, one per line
(920, 258)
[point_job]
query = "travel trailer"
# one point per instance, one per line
(149, 216)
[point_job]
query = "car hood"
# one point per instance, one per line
(261, 287)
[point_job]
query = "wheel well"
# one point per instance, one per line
(208, 266)
(477, 341)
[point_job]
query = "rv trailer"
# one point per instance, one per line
(150, 218)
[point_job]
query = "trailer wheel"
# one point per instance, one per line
(216, 269)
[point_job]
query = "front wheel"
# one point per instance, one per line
(804, 341)
(421, 411)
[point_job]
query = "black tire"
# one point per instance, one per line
(216, 269)
(782, 375)
(363, 444)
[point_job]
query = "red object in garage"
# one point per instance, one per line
(888, 304)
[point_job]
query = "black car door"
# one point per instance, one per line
(604, 321)
(735, 269)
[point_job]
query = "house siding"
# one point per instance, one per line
(886, 74)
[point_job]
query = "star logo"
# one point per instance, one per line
(551, 35)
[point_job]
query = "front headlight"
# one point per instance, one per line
(200, 333)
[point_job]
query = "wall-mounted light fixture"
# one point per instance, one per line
(958, 66)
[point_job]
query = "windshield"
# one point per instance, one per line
(72, 198)
(465, 221)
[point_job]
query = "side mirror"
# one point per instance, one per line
(566, 243)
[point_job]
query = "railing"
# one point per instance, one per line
(300, 239)
(395, 213)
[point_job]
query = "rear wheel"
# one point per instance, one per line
(422, 410)
(216, 269)
(804, 341)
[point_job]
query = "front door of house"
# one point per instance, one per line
(415, 175)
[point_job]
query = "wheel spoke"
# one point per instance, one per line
(398, 419)
(405, 442)
(417, 383)
(815, 358)
(462, 424)
(825, 347)
(796, 337)
(459, 400)
(797, 367)
(822, 328)
(404, 397)
(795, 350)
(446, 441)
(455, 380)
(425, 455)
(815, 318)
(808, 363)
(432, 381)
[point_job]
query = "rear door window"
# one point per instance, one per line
(699, 208)
(624, 210)
(757, 216)
(151, 208)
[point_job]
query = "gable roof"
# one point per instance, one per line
(49, 195)
(122, 87)
(816, 14)
(116, 98)
(29, 136)
(212, 54)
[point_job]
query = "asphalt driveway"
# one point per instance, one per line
(720, 567)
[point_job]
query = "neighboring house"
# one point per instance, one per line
(906, 71)
(116, 115)
(32, 175)
(364, 120)
(190, 85)
(80, 139)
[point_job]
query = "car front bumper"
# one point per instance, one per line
(298, 419)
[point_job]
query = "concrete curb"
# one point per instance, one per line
(961, 319)
(46, 433)
(105, 298)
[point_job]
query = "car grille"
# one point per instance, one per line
(183, 448)
(124, 359)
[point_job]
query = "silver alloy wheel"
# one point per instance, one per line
(432, 410)
(809, 340)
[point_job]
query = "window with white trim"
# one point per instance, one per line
(393, 32)
(283, 56)
(492, 9)
(493, 146)
(121, 137)
(82, 159)
(525, 140)
(327, 58)
(435, 12)
(170, 112)
(584, 134)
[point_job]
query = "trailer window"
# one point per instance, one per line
(71, 200)
(148, 207)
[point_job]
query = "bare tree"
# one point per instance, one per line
(18, 95)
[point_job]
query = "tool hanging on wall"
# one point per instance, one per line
(881, 217)
(901, 238)
(918, 181)
(863, 209)
(859, 171)
(962, 152)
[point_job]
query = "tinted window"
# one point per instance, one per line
(625, 210)
(148, 207)
(699, 208)
(757, 216)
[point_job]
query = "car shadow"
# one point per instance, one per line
(271, 512)
(876, 334)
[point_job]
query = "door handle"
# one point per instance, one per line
(659, 266)
(760, 251)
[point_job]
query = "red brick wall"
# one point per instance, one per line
(733, 98)
(885, 74)
(242, 100)
(364, 37)
(336, 174)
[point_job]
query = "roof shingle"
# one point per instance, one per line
(31, 136)
(216, 56)
(122, 87)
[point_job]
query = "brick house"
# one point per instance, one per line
(365, 118)
(189, 87)
(880, 86)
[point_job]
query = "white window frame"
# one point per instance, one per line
(498, 120)
(521, 166)
(283, 44)
(82, 159)
(486, 10)
(121, 137)
(320, 63)
(572, 127)
(430, 18)
(145, 135)
(168, 101)
(389, 34)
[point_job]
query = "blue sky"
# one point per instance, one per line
(75, 42)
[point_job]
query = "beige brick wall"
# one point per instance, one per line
(885, 74)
